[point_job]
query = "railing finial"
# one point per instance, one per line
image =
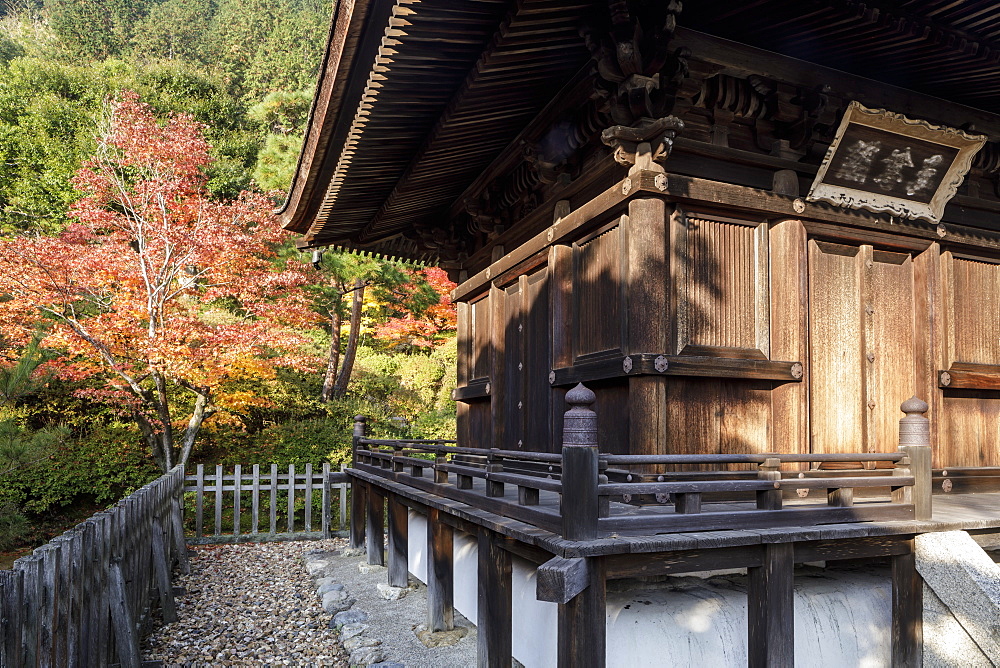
(915, 428)
(580, 422)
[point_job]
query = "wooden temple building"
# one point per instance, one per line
(745, 232)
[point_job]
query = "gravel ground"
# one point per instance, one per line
(249, 605)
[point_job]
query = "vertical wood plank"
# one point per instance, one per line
(126, 640)
(582, 624)
(291, 498)
(907, 612)
(255, 500)
(494, 618)
(274, 500)
(771, 627)
(32, 592)
(309, 497)
(218, 500)
(162, 573)
(789, 294)
(103, 602)
(464, 333)
(398, 536)
(11, 584)
(74, 549)
(325, 502)
(180, 545)
(237, 498)
(440, 573)
(49, 604)
(928, 334)
(376, 522)
(199, 501)
(343, 500)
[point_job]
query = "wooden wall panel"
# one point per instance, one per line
(969, 429)
(598, 295)
(481, 336)
(721, 285)
(509, 385)
(836, 394)
(537, 362)
(890, 375)
(719, 416)
(976, 301)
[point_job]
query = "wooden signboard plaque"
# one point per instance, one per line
(885, 162)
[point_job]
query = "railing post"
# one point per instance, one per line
(580, 466)
(769, 499)
(359, 433)
(359, 499)
(915, 442)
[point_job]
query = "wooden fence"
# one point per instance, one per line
(86, 597)
(246, 491)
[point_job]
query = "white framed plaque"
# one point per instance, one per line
(885, 162)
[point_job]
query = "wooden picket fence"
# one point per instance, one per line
(243, 491)
(86, 597)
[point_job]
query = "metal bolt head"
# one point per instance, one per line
(552, 377)
(660, 182)
(942, 231)
(627, 364)
(661, 364)
(946, 485)
(626, 186)
(797, 370)
(799, 205)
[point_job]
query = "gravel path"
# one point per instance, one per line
(249, 605)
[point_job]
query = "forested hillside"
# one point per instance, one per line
(127, 129)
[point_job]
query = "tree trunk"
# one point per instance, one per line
(158, 443)
(202, 409)
(340, 389)
(334, 359)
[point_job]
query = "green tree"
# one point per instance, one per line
(174, 30)
(95, 28)
(20, 447)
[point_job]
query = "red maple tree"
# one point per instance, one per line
(159, 293)
(427, 326)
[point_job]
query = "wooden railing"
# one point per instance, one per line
(86, 597)
(582, 494)
(239, 494)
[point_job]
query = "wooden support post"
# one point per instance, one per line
(494, 603)
(583, 623)
(237, 499)
(770, 607)
(688, 504)
(291, 498)
(840, 497)
(342, 520)
(375, 524)
(907, 611)
(440, 474)
(274, 500)
(255, 501)
(218, 500)
(440, 573)
(527, 496)
(493, 488)
(915, 441)
(126, 639)
(162, 573)
(325, 502)
(307, 521)
(399, 567)
(579, 466)
(769, 499)
(199, 500)
(359, 503)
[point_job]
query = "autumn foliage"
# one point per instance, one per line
(160, 295)
(430, 326)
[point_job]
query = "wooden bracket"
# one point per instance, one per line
(964, 376)
(654, 364)
(479, 388)
(560, 579)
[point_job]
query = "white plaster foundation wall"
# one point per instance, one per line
(534, 622)
(842, 617)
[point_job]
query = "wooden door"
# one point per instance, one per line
(861, 346)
